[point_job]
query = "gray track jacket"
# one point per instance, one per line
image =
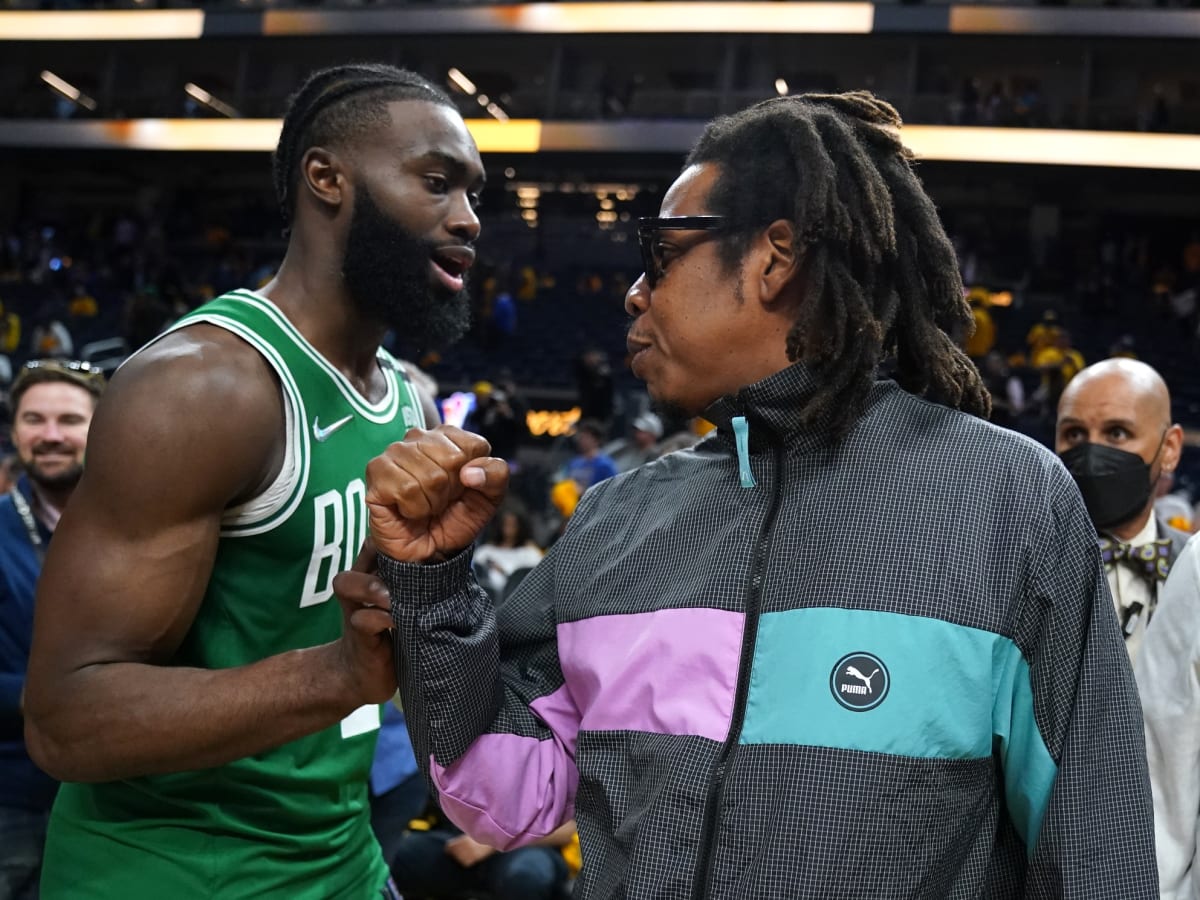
(890, 669)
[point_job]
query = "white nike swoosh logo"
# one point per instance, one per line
(322, 434)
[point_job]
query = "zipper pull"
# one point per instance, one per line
(741, 434)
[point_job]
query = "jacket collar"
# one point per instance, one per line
(772, 408)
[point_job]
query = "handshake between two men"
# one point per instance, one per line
(428, 496)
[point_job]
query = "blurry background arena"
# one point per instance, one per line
(1061, 142)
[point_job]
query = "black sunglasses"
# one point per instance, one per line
(648, 229)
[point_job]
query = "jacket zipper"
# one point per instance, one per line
(708, 834)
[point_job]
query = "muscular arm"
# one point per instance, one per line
(186, 428)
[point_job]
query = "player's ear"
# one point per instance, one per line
(323, 177)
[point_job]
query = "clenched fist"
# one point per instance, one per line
(430, 494)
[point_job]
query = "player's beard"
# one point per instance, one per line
(388, 277)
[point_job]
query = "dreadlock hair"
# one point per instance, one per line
(337, 105)
(881, 276)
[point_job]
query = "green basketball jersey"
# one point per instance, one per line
(292, 822)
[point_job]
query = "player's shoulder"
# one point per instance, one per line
(198, 365)
(196, 414)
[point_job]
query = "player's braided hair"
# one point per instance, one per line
(881, 277)
(337, 105)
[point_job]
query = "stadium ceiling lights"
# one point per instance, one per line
(954, 143)
(203, 97)
(461, 81)
(66, 89)
(467, 86)
(102, 25)
(529, 190)
(626, 17)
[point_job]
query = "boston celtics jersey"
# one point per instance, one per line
(292, 822)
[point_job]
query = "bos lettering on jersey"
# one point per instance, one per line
(339, 529)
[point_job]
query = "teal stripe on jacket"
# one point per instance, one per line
(952, 692)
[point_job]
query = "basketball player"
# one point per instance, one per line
(193, 676)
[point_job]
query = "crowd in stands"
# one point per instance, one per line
(104, 288)
(107, 288)
(1017, 102)
(1133, 298)
(1014, 101)
(1021, 101)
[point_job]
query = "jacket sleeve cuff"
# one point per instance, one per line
(421, 584)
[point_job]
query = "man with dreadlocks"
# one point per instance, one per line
(856, 644)
(192, 673)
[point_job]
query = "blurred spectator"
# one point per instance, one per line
(998, 107)
(1115, 436)
(1170, 690)
(1191, 258)
(1044, 333)
(146, 315)
(1183, 306)
(564, 497)
(641, 446)
(504, 381)
(688, 437)
(508, 547)
(438, 862)
(593, 376)
(1027, 110)
(1158, 113)
(52, 411)
(1057, 362)
(968, 260)
(504, 316)
(590, 466)
(1006, 388)
(983, 338)
(10, 331)
(52, 340)
(495, 419)
(82, 304)
(1124, 347)
(1175, 509)
(966, 108)
(528, 283)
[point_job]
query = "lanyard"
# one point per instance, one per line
(22, 507)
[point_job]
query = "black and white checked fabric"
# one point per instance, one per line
(920, 510)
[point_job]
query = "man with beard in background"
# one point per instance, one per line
(211, 705)
(52, 403)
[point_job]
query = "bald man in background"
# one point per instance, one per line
(1116, 438)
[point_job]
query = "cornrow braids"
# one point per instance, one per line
(336, 105)
(881, 275)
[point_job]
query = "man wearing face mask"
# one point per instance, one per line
(1115, 436)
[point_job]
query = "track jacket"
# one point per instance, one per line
(889, 669)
